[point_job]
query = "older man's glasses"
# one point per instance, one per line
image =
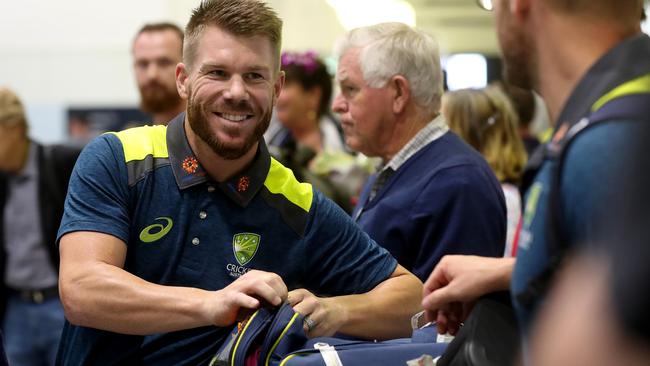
(485, 4)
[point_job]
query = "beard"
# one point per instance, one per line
(519, 62)
(198, 119)
(156, 97)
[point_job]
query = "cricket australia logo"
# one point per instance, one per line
(245, 245)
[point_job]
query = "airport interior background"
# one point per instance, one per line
(67, 58)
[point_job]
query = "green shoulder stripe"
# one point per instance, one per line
(280, 180)
(640, 85)
(140, 142)
(145, 148)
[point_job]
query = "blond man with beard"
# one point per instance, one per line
(172, 233)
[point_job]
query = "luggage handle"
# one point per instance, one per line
(329, 354)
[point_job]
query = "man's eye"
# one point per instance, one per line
(218, 73)
(254, 76)
(166, 63)
(348, 90)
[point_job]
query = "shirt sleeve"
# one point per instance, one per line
(340, 257)
(97, 197)
(605, 200)
(589, 182)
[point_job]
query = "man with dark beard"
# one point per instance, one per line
(157, 49)
(172, 233)
(589, 60)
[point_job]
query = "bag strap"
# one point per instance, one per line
(628, 101)
(629, 107)
(329, 354)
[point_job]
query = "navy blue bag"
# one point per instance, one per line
(265, 337)
(274, 337)
(324, 351)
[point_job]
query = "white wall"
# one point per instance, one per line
(61, 53)
(56, 54)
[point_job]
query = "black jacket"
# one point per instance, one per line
(54, 164)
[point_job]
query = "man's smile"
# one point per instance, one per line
(234, 117)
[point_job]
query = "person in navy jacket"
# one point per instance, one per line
(433, 194)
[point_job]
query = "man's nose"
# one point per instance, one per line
(153, 71)
(236, 89)
(339, 105)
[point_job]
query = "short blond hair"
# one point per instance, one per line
(243, 18)
(12, 111)
(486, 119)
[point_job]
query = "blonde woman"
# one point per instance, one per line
(486, 119)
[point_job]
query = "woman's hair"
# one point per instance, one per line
(307, 70)
(487, 120)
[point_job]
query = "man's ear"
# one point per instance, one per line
(277, 86)
(401, 93)
(182, 77)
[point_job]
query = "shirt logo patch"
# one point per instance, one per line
(154, 232)
(245, 245)
(531, 204)
(190, 165)
(243, 184)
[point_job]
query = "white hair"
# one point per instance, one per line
(389, 49)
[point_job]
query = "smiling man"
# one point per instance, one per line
(171, 233)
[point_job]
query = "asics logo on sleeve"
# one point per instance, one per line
(154, 232)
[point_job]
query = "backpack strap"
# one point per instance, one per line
(629, 101)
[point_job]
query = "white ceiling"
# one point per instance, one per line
(459, 25)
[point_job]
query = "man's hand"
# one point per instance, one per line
(323, 317)
(248, 292)
(457, 282)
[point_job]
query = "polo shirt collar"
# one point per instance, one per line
(246, 184)
(626, 61)
(188, 172)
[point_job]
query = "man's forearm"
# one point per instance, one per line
(385, 311)
(109, 298)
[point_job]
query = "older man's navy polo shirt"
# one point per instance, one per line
(146, 187)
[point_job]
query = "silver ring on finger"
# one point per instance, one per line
(309, 322)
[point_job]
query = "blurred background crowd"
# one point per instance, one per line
(73, 69)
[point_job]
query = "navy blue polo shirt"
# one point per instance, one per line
(146, 187)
